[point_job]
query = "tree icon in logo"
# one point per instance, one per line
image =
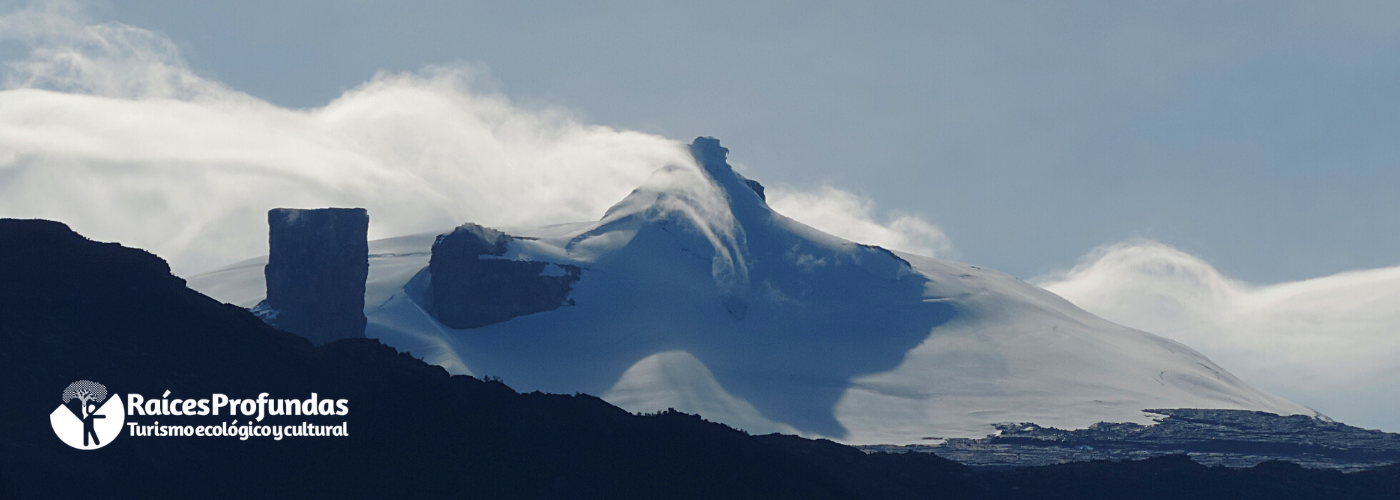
(91, 426)
(86, 392)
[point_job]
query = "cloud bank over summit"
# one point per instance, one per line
(1332, 343)
(105, 127)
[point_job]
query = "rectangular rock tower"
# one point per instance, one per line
(316, 270)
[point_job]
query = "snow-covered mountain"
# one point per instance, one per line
(693, 294)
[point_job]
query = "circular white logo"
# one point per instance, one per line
(84, 421)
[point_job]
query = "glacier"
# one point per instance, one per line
(696, 295)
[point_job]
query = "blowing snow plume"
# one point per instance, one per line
(105, 127)
(1328, 342)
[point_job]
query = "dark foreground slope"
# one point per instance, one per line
(74, 309)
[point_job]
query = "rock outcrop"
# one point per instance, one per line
(712, 156)
(474, 285)
(316, 272)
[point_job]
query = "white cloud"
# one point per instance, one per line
(855, 218)
(1332, 343)
(113, 59)
(105, 128)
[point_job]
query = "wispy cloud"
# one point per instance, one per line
(856, 218)
(1332, 343)
(105, 127)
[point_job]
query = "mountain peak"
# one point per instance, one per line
(714, 158)
(691, 289)
(709, 153)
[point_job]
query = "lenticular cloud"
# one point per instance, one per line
(104, 127)
(1332, 343)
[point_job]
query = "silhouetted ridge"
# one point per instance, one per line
(75, 309)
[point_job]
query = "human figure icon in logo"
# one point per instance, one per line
(88, 394)
(87, 425)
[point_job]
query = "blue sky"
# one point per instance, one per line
(1259, 135)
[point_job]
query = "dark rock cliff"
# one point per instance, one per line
(316, 271)
(473, 285)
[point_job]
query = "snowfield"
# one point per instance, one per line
(695, 295)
